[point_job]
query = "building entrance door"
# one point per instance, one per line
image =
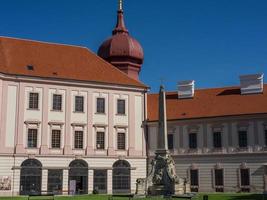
(78, 172)
(30, 177)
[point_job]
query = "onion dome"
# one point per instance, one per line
(122, 50)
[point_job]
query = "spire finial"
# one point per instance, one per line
(120, 27)
(120, 4)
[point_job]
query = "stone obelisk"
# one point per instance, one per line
(163, 172)
(162, 124)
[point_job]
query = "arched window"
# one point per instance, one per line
(31, 177)
(78, 177)
(121, 177)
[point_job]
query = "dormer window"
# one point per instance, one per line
(30, 67)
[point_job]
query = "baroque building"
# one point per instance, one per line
(71, 122)
(217, 136)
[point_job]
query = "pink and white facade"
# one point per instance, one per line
(17, 118)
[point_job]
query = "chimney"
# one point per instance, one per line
(251, 84)
(186, 89)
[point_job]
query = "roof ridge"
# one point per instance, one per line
(42, 42)
(226, 87)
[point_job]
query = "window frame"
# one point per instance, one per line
(244, 188)
(190, 144)
(29, 101)
(124, 109)
(194, 187)
(119, 142)
(52, 147)
(240, 142)
(265, 137)
(215, 142)
(170, 145)
(104, 105)
(36, 143)
(75, 104)
(77, 147)
(53, 102)
(101, 147)
(218, 188)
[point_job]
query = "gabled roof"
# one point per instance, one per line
(215, 102)
(51, 60)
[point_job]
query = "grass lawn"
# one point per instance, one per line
(105, 197)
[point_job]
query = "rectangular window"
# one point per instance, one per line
(218, 176)
(242, 138)
(100, 181)
(57, 102)
(55, 138)
(192, 140)
(33, 100)
(100, 105)
(100, 140)
(217, 140)
(170, 141)
(55, 180)
(79, 103)
(265, 138)
(78, 140)
(121, 141)
(194, 180)
(244, 180)
(121, 106)
(32, 138)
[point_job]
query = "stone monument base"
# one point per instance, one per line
(157, 190)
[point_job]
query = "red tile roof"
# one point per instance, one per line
(213, 102)
(58, 61)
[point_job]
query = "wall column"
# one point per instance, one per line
(90, 181)
(20, 119)
(132, 121)
(109, 181)
(68, 129)
(44, 128)
(111, 150)
(89, 148)
(65, 184)
(44, 179)
(16, 182)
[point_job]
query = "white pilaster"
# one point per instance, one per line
(65, 186)
(109, 181)
(44, 179)
(90, 181)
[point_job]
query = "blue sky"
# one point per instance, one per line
(209, 41)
